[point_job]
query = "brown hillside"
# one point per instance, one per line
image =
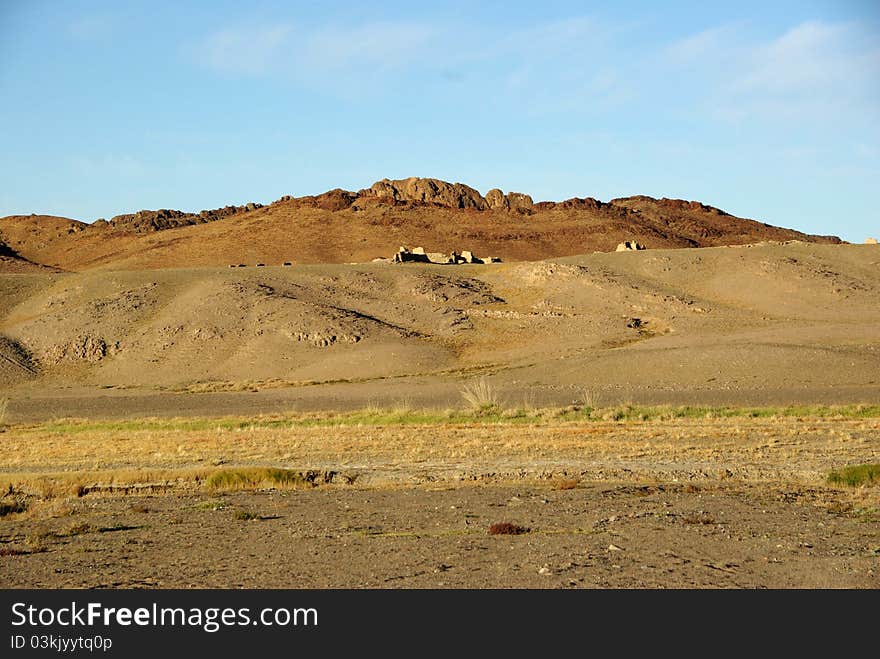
(342, 226)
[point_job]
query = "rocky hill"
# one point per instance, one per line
(345, 226)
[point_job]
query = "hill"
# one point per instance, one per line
(762, 324)
(341, 226)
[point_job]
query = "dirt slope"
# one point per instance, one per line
(741, 320)
(341, 227)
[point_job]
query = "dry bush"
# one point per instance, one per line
(568, 484)
(481, 396)
(590, 398)
(507, 528)
(699, 518)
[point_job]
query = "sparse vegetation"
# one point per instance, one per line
(46, 463)
(856, 475)
(485, 399)
(507, 528)
(246, 515)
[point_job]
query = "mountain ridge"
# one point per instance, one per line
(343, 226)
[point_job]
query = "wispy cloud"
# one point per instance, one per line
(552, 57)
(813, 71)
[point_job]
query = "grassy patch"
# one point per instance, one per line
(212, 504)
(249, 478)
(856, 475)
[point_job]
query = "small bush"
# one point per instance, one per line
(507, 528)
(246, 515)
(568, 484)
(10, 507)
(856, 475)
(699, 518)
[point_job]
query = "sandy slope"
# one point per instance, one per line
(747, 322)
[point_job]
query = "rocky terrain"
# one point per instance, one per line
(341, 226)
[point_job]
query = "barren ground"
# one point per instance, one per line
(738, 502)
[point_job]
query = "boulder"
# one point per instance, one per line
(517, 201)
(496, 199)
(630, 246)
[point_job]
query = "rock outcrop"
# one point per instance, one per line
(427, 191)
(419, 255)
(630, 246)
(147, 221)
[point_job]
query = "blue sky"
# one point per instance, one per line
(769, 110)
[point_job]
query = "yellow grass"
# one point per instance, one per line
(55, 460)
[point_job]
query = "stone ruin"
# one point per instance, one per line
(419, 255)
(630, 246)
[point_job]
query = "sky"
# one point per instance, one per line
(768, 110)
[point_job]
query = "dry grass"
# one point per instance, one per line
(63, 461)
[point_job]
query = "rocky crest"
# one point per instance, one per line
(147, 221)
(440, 193)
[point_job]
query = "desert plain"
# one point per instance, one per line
(689, 415)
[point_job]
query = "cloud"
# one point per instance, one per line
(310, 54)
(555, 57)
(814, 71)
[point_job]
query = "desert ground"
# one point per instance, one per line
(662, 418)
